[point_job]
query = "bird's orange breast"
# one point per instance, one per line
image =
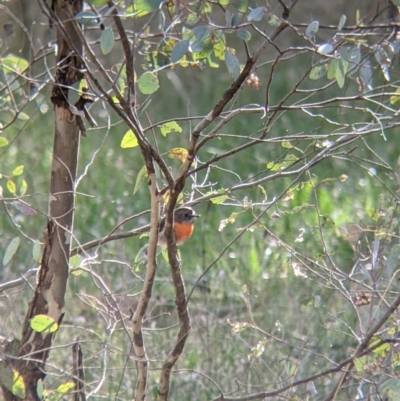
(182, 232)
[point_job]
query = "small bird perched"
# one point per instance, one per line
(183, 229)
(183, 226)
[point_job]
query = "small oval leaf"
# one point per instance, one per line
(243, 34)
(13, 63)
(169, 127)
(37, 251)
(107, 40)
(200, 36)
(318, 71)
(312, 29)
(129, 140)
(178, 153)
(232, 64)
(18, 170)
(148, 83)
(11, 250)
(43, 324)
(219, 199)
(342, 21)
(332, 69)
(179, 50)
(257, 14)
(11, 186)
(65, 387)
(3, 142)
(18, 386)
(141, 175)
(23, 188)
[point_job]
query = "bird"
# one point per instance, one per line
(183, 224)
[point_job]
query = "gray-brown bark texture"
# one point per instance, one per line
(27, 358)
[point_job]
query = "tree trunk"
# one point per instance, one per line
(25, 365)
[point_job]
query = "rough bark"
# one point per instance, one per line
(28, 357)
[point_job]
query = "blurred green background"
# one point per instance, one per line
(289, 277)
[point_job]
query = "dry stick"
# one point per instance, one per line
(19, 281)
(138, 344)
(78, 373)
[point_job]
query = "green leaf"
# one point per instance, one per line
(142, 174)
(332, 69)
(169, 127)
(342, 21)
(39, 389)
(200, 36)
(65, 388)
(148, 83)
(219, 199)
(107, 40)
(75, 261)
(345, 56)
(144, 7)
(243, 34)
(242, 6)
(312, 29)
(191, 20)
(318, 71)
(11, 250)
(273, 20)
(129, 140)
(179, 50)
(18, 170)
(230, 220)
(18, 388)
(236, 19)
(43, 324)
(232, 64)
(340, 74)
(37, 251)
(288, 161)
(13, 63)
(23, 188)
(3, 142)
(178, 153)
(257, 14)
